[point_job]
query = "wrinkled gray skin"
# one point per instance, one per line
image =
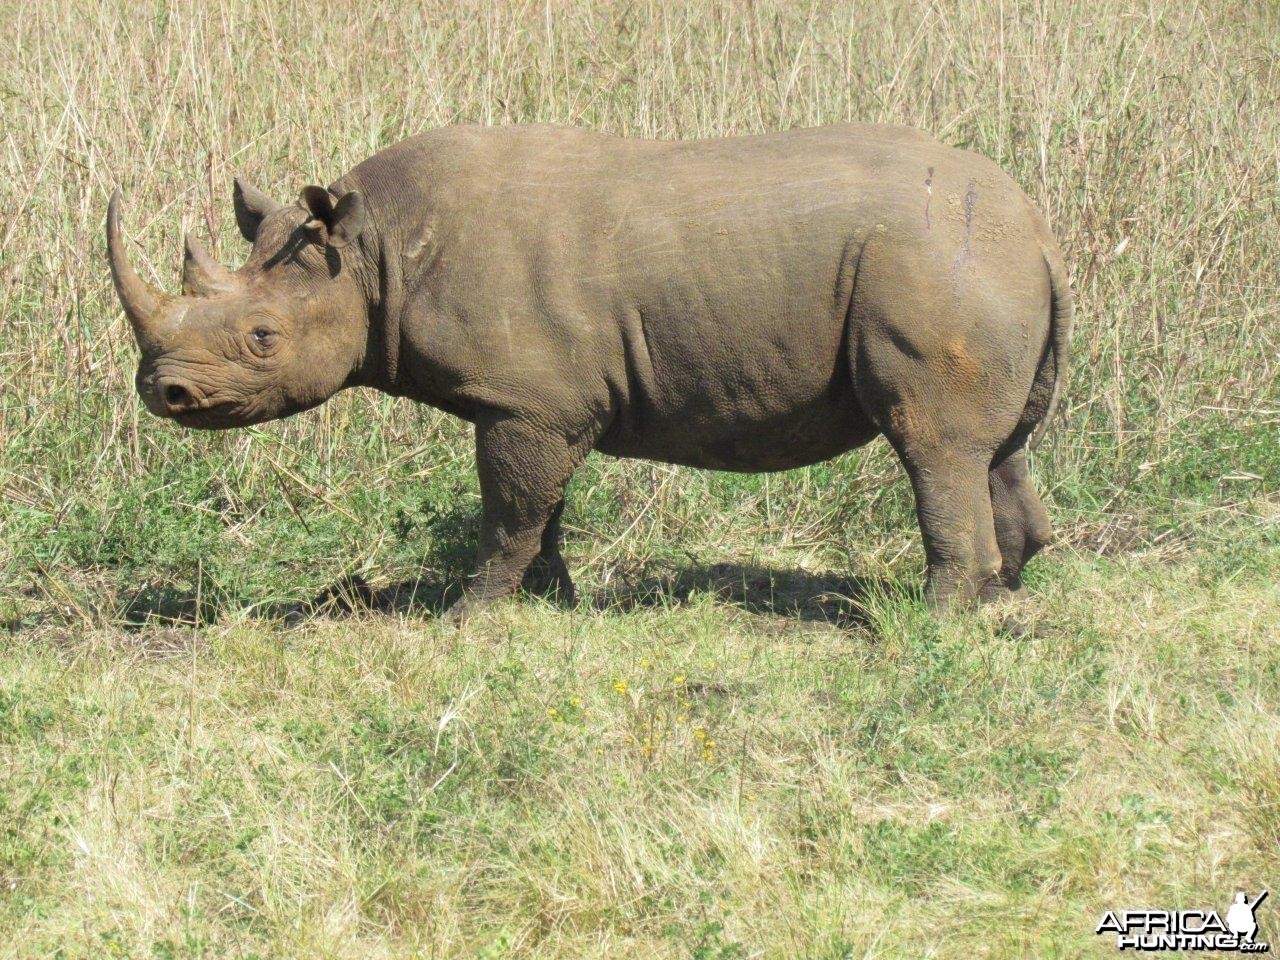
(753, 303)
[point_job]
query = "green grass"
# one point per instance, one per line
(683, 779)
(231, 725)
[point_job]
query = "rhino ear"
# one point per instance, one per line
(252, 207)
(335, 223)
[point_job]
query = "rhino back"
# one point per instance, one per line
(690, 298)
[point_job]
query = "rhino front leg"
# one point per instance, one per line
(523, 473)
(549, 573)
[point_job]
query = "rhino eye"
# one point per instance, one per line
(263, 338)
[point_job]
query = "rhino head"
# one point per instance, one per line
(279, 335)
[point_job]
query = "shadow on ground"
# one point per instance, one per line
(828, 597)
(353, 594)
(163, 603)
(821, 597)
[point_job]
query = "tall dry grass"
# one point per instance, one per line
(1148, 133)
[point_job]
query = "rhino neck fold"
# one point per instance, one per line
(392, 304)
(381, 276)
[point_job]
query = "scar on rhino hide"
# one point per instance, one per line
(970, 199)
(928, 186)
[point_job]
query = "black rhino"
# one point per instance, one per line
(749, 303)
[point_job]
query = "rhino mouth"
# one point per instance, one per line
(214, 416)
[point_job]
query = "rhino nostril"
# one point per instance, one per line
(177, 397)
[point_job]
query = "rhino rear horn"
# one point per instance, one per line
(141, 301)
(252, 207)
(203, 276)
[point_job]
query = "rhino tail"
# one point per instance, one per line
(1051, 375)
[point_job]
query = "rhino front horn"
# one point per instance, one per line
(141, 301)
(203, 276)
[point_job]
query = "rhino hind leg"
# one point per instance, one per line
(953, 506)
(548, 573)
(946, 420)
(942, 361)
(1021, 521)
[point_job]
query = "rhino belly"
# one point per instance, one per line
(698, 438)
